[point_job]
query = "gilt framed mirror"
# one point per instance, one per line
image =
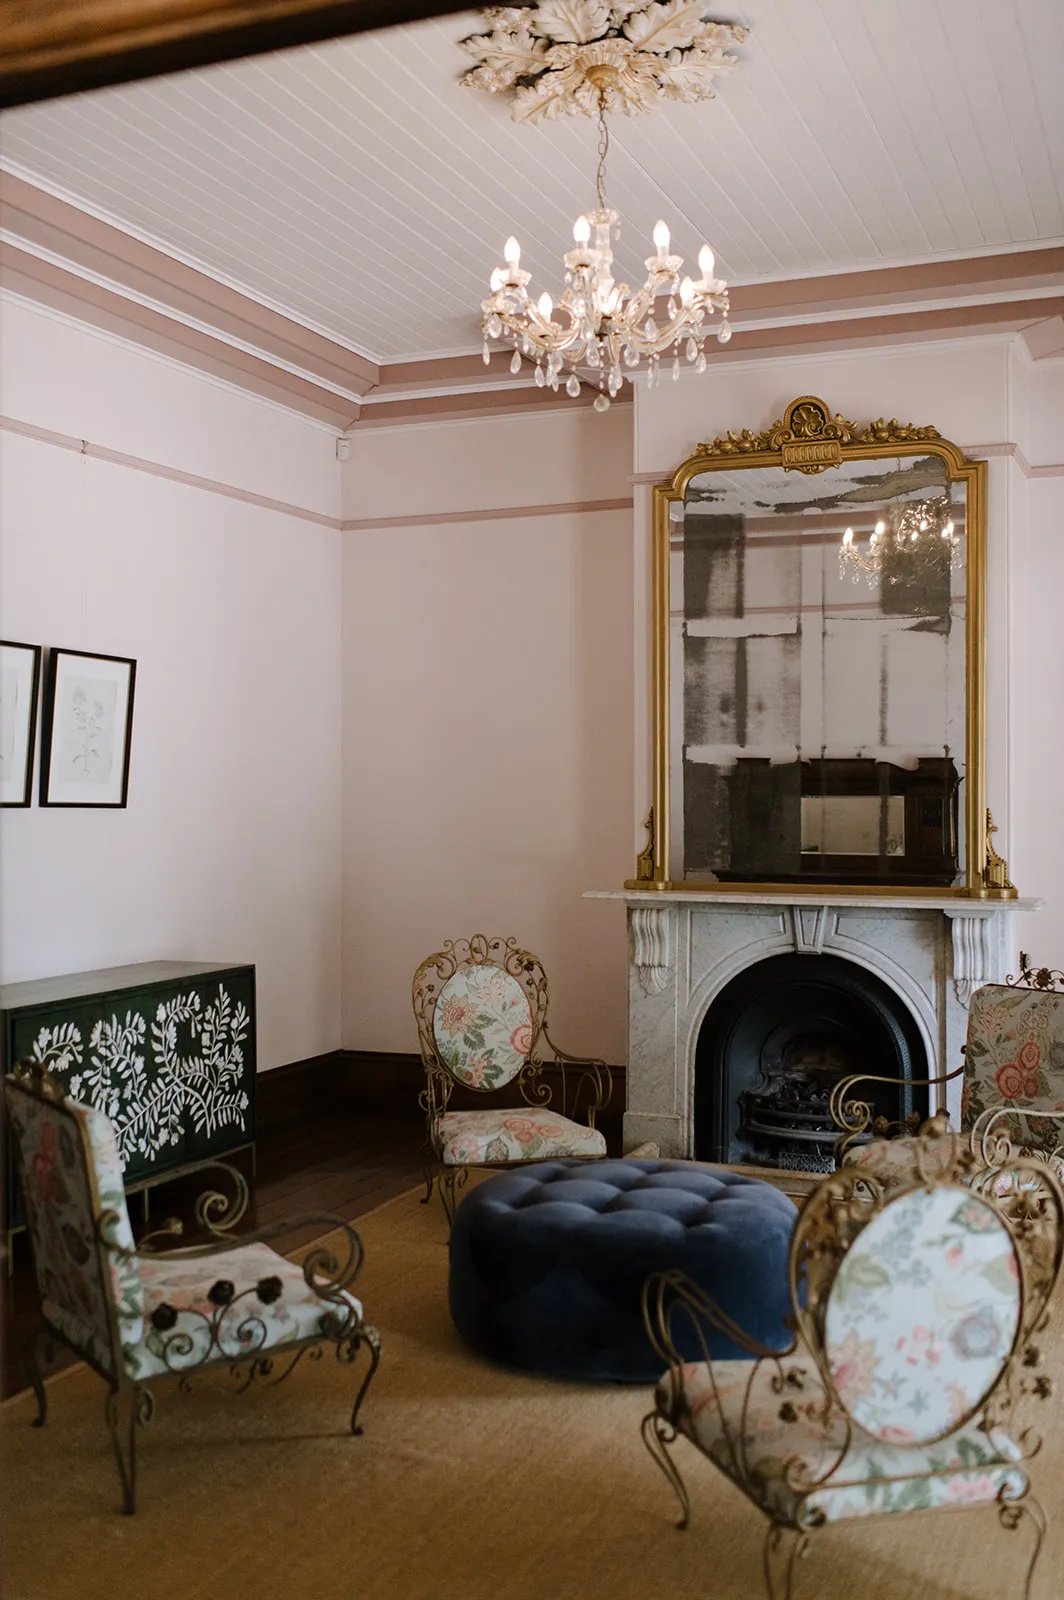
(819, 648)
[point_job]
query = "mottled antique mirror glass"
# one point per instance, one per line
(819, 660)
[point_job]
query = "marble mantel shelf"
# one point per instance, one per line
(685, 946)
(952, 905)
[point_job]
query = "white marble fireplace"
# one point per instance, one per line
(685, 946)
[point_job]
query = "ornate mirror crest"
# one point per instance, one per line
(818, 662)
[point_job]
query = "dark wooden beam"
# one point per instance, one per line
(57, 47)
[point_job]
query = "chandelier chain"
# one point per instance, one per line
(603, 151)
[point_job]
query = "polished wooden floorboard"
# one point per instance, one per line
(341, 1164)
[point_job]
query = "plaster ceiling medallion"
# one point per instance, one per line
(583, 56)
(552, 56)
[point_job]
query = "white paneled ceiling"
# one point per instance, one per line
(357, 187)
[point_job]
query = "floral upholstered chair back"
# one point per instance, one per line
(75, 1205)
(920, 1321)
(1014, 1064)
(481, 1006)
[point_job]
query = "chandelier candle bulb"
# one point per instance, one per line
(511, 252)
(661, 240)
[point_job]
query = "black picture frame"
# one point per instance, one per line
(29, 743)
(107, 724)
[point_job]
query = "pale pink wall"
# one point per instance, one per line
(229, 846)
(488, 716)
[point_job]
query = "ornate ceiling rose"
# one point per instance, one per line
(588, 57)
(582, 56)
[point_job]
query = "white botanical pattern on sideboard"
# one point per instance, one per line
(151, 1107)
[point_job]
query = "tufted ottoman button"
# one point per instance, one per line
(548, 1263)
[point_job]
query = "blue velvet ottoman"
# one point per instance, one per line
(548, 1263)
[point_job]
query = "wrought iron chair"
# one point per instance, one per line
(481, 1010)
(1013, 1085)
(917, 1311)
(138, 1317)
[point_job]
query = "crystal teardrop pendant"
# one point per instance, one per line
(494, 326)
(487, 353)
(515, 363)
(540, 378)
(724, 333)
(602, 402)
(572, 387)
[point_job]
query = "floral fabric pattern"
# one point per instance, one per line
(483, 1026)
(1015, 1058)
(922, 1314)
(897, 1162)
(180, 1312)
(533, 1135)
(125, 1272)
(75, 1282)
(790, 1452)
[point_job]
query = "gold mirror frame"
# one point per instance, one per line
(811, 438)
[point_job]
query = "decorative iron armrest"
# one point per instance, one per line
(853, 1117)
(665, 1294)
(596, 1075)
(327, 1273)
(995, 1148)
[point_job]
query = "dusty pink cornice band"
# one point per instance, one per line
(559, 508)
(158, 469)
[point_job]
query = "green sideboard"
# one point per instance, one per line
(165, 1048)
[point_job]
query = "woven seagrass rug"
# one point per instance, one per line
(470, 1483)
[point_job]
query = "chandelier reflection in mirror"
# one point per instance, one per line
(586, 57)
(916, 530)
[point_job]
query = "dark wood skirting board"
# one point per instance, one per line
(379, 1081)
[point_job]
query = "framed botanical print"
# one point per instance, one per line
(86, 729)
(20, 676)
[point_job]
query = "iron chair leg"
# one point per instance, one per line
(1011, 1514)
(657, 1436)
(37, 1340)
(370, 1336)
(126, 1409)
(784, 1547)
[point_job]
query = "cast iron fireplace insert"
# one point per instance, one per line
(775, 1041)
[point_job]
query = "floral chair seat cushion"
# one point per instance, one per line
(252, 1298)
(483, 1026)
(528, 1135)
(802, 1470)
(893, 1162)
(897, 1162)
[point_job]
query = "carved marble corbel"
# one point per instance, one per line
(974, 960)
(651, 946)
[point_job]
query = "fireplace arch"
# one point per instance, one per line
(774, 1040)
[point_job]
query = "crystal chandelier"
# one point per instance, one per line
(911, 527)
(600, 325)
